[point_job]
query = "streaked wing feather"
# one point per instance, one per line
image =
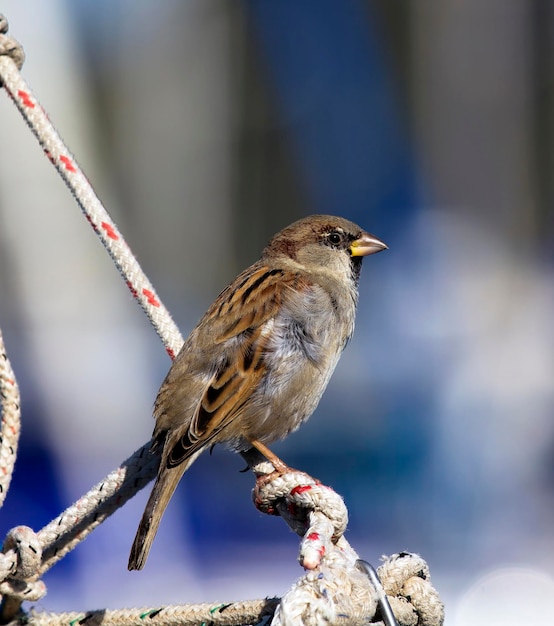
(259, 294)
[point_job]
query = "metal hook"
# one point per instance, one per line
(382, 600)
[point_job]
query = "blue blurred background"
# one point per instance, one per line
(207, 125)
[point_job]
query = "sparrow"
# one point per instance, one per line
(256, 365)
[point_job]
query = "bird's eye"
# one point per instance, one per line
(334, 238)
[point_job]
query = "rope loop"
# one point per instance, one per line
(10, 47)
(407, 582)
(272, 489)
(295, 494)
(20, 564)
(23, 590)
(314, 511)
(28, 550)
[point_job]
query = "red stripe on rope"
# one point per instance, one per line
(300, 489)
(109, 230)
(150, 297)
(68, 164)
(26, 99)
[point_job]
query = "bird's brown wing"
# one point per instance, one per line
(244, 342)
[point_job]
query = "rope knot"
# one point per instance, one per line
(20, 564)
(10, 47)
(407, 582)
(314, 511)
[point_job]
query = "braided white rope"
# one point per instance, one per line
(63, 533)
(333, 590)
(11, 414)
(228, 614)
(27, 555)
(82, 191)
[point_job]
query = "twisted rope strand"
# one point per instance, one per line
(74, 524)
(225, 614)
(11, 425)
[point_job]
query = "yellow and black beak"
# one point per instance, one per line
(366, 244)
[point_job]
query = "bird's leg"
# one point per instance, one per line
(279, 465)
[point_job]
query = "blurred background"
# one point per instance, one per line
(207, 125)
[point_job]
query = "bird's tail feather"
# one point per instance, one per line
(164, 487)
